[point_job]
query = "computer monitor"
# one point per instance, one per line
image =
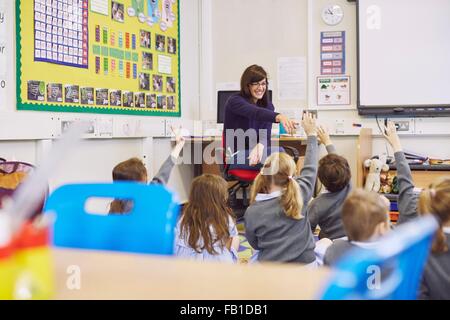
(222, 99)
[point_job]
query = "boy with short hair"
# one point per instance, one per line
(365, 216)
(334, 173)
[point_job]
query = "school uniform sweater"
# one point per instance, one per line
(244, 115)
(407, 205)
(276, 236)
(162, 177)
(436, 276)
(325, 210)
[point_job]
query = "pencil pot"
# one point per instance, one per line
(7, 273)
(34, 265)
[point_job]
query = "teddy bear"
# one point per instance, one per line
(376, 166)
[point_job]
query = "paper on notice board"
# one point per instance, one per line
(164, 64)
(292, 78)
(333, 90)
(100, 6)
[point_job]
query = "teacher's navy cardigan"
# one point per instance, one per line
(242, 114)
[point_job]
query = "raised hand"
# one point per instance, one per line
(180, 141)
(324, 136)
(309, 124)
(390, 133)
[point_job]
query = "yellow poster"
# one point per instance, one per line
(98, 56)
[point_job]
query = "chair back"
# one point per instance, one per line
(148, 228)
(391, 269)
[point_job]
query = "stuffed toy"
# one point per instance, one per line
(376, 166)
(385, 182)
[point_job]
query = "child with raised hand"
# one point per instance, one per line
(334, 174)
(134, 170)
(433, 200)
(275, 222)
(207, 230)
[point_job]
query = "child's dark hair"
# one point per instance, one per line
(254, 73)
(130, 170)
(334, 172)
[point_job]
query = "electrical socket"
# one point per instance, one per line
(402, 125)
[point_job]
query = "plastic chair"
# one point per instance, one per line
(148, 228)
(399, 259)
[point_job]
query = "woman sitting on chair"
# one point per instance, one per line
(248, 121)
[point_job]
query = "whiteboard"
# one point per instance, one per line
(404, 52)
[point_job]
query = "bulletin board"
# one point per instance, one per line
(99, 56)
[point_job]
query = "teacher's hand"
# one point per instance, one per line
(288, 124)
(256, 154)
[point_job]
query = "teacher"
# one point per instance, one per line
(248, 121)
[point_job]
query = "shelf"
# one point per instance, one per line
(425, 167)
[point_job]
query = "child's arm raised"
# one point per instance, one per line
(324, 137)
(407, 198)
(163, 174)
(307, 178)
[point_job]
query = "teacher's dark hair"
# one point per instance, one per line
(252, 74)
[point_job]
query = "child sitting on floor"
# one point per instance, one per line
(433, 200)
(275, 222)
(334, 173)
(365, 218)
(207, 230)
(134, 170)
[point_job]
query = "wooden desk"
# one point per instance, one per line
(106, 275)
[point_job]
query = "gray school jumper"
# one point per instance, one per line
(407, 207)
(163, 175)
(325, 211)
(436, 276)
(276, 236)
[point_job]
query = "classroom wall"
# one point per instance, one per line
(261, 31)
(218, 40)
(255, 32)
(434, 137)
(27, 136)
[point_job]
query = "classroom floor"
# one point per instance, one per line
(245, 250)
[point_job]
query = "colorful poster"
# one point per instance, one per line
(333, 91)
(332, 53)
(98, 56)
